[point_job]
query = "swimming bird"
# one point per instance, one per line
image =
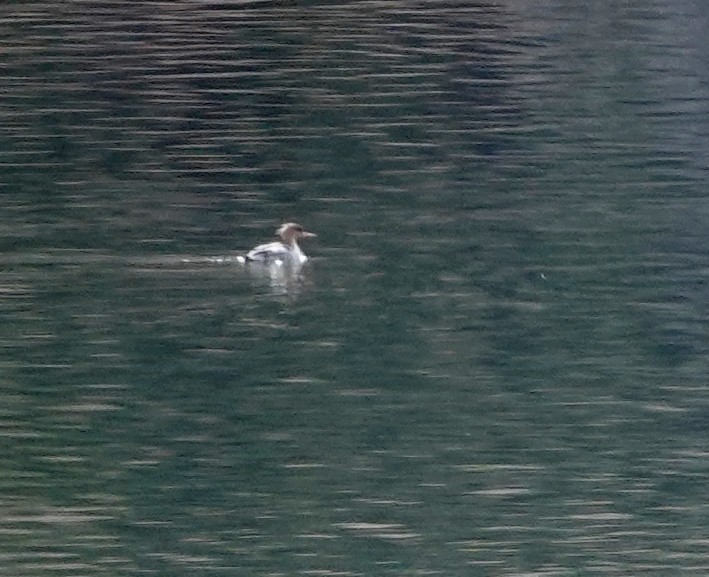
(283, 252)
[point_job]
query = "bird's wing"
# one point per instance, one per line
(269, 251)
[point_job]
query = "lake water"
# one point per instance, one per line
(495, 362)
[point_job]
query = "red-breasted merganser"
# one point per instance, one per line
(286, 252)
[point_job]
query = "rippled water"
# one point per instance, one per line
(494, 363)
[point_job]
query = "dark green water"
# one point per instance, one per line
(494, 363)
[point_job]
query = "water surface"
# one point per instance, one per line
(494, 362)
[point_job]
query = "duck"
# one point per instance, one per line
(283, 252)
